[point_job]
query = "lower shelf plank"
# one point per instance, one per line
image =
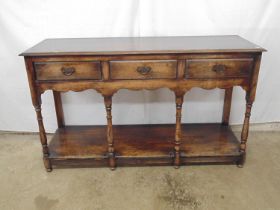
(140, 145)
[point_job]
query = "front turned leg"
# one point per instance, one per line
(245, 132)
(43, 138)
(111, 152)
(178, 131)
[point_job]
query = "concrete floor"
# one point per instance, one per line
(24, 184)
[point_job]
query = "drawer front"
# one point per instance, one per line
(148, 69)
(68, 70)
(218, 68)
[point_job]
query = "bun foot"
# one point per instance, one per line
(48, 169)
(239, 165)
(241, 161)
(47, 164)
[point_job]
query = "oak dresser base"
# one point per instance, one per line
(108, 65)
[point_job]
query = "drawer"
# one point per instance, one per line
(68, 70)
(218, 68)
(148, 69)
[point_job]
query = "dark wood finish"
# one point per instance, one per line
(58, 109)
(245, 129)
(143, 145)
(250, 98)
(142, 45)
(178, 130)
(227, 106)
(165, 69)
(79, 142)
(110, 140)
(105, 70)
(181, 67)
(36, 101)
(218, 68)
(67, 70)
(110, 64)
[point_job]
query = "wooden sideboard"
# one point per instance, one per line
(110, 64)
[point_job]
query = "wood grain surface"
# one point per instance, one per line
(142, 45)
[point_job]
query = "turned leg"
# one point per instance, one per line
(58, 109)
(178, 131)
(36, 101)
(245, 131)
(111, 154)
(43, 137)
(227, 106)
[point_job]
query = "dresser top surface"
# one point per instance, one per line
(142, 45)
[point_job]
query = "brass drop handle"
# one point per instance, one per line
(68, 71)
(144, 70)
(219, 68)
